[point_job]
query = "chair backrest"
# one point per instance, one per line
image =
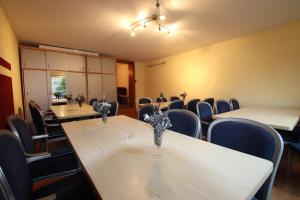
(204, 111)
(222, 106)
(121, 91)
(211, 101)
(252, 138)
(174, 98)
(185, 122)
(178, 104)
(145, 100)
(192, 105)
(161, 99)
(14, 167)
(234, 104)
(146, 109)
(114, 108)
(93, 101)
(22, 131)
(38, 119)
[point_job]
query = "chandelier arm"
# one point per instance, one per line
(140, 22)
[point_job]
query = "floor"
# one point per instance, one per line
(285, 187)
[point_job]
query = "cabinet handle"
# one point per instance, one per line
(24, 64)
(48, 66)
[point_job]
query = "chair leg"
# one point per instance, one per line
(288, 163)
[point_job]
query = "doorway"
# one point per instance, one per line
(126, 84)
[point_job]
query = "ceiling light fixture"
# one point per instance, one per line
(142, 22)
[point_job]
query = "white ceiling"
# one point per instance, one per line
(98, 25)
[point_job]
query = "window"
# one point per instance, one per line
(58, 86)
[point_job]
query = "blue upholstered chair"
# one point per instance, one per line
(211, 102)
(53, 129)
(234, 104)
(185, 122)
(192, 105)
(113, 109)
(145, 100)
(178, 104)
(222, 106)
(205, 113)
(16, 181)
(161, 99)
(252, 138)
(93, 101)
(292, 142)
(60, 161)
(174, 98)
(146, 109)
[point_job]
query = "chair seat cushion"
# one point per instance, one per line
(55, 131)
(71, 187)
(60, 161)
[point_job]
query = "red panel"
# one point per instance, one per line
(5, 64)
(6, 99)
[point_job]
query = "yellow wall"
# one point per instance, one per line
(122, 76)
(257, 69)
(9, 51)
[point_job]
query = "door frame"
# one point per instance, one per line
(131, 81)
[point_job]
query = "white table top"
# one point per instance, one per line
(278, 118)
(121, 163)
(73, 111)
(162, 105)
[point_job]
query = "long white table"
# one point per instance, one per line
(278, 118)
(73, 111)
(120, 160)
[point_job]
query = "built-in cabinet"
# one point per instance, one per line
(94, 64)
(87, 75)
(35, 88)
(33, 59)
(65, 61)
(102, 70)
(95, 86)
(109, 86)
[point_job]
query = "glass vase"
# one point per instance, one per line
(158, 135)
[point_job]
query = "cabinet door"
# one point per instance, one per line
(34, 59)
(94, 64)
(95, 86)
(35, 85)
(76, 83)
(110, 87)
(56, 60)
(108, 65)
(75, 63)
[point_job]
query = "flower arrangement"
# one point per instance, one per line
(80, 99)
(161, 95)
(183, 95)
(69, 97)
(103, 109)
(57, 94)
(160, 122)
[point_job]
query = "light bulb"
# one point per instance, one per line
(132, 34)
(142, 15)
(162, 17)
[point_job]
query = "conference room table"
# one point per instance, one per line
(162, 105)
(278, 118)
(72, 111)
(122, 162)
